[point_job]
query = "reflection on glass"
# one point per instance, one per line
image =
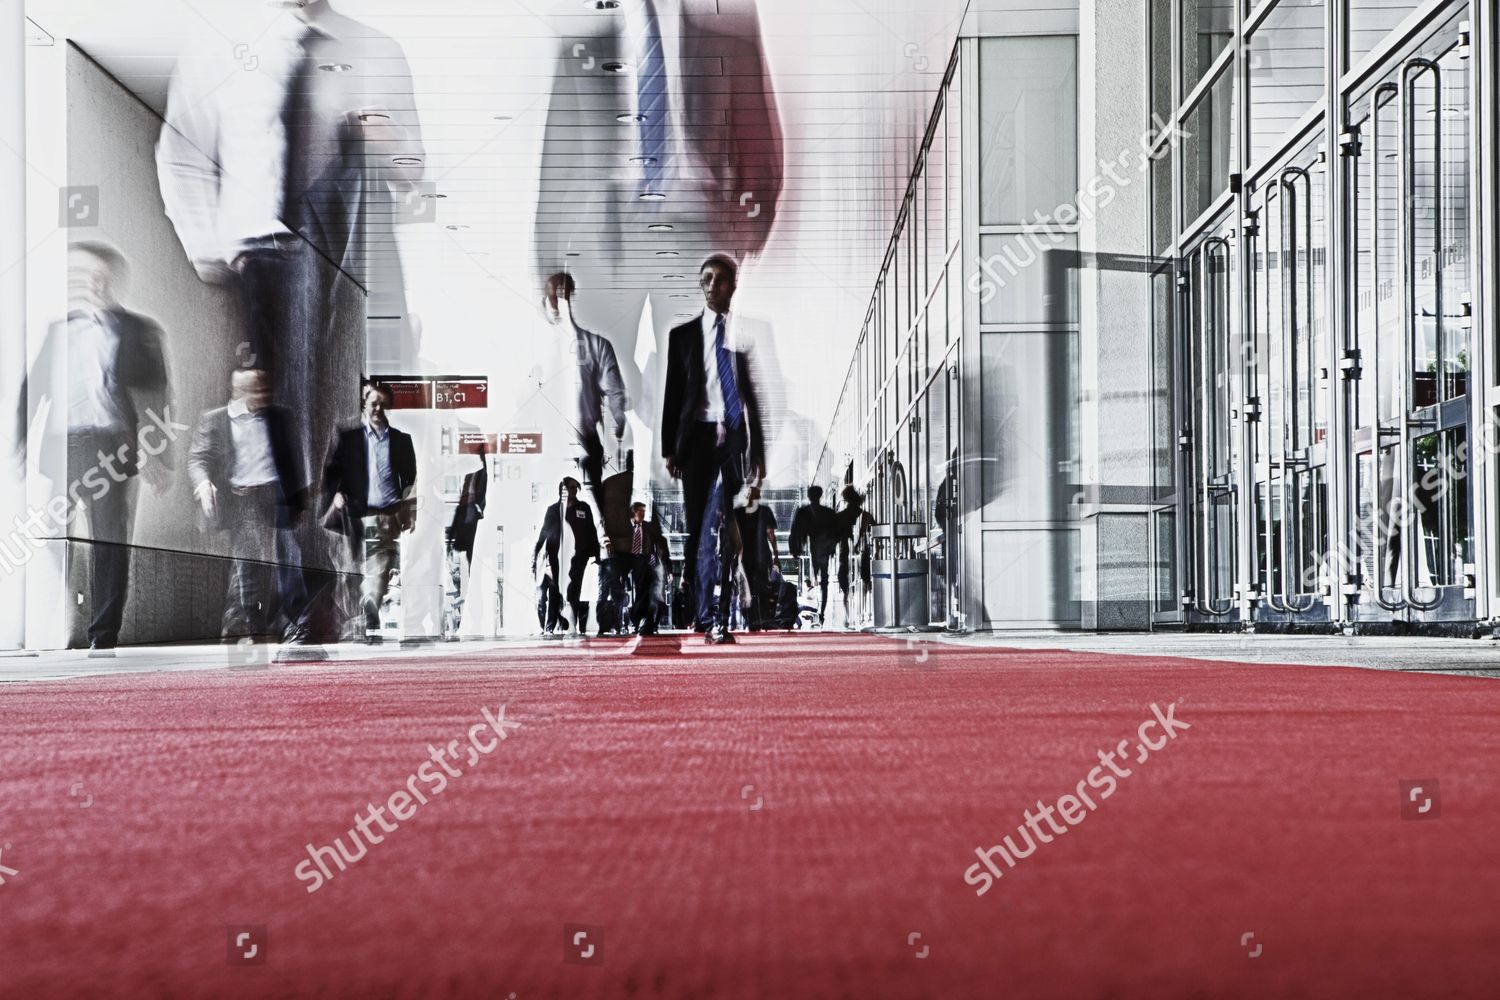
(1209, 149)
(1207, 28)
(1028, 127)
(1161, 59)
(1286, 72)
(1161, 201)
(1371, 20)
(1015, 278)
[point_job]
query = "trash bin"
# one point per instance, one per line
(900, 584)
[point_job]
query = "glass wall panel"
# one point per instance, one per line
(1286, 72)
(1028, 425)
(1028, 129)
(1162, 232)
(1209, 148)
(937, 244)
(955, 119)
(1164, 421)
(1371, 20)
(1016, 268)
(1161, 60)
(1207, 28)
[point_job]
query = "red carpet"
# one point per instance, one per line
(625, 804)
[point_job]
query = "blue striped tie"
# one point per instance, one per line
(651, 90)
(725, 357)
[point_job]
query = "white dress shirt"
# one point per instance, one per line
(713, 398)
(253, 463)
(94, 353)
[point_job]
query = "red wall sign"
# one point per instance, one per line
(520, 444)
(477, 443)
(461, 394)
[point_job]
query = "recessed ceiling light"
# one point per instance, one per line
(652, 196)
(573, 253)
(643, 161)
(455, 227)
(615, 66)
(374, 116)
(407, 161)
(628, 117)
(668, 253)
(661, 227)
(679, 295)
(433, 194)
(335, 67)
(673, 277)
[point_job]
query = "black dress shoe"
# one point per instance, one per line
(720, 636)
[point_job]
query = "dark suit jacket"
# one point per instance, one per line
(211, 460)
(470, 509)
(347, 471)
(140, 381)
(815, 527)
(686, 391)
(656, 544)
(585, 535)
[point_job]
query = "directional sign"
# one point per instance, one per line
(520, 444)
(477, 443)
(409, 394)
(461, 394)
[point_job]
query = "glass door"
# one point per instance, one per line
(1288, 408)
(1411, 276)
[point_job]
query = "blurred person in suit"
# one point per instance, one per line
(702, 152)
(248, 480)
(369, 482)
(273, 164)
(760, 555)
(854, 524)
(711, 432)
(815, 532)
(573, 547)
(104, 371)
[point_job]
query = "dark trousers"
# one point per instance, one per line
(760, 612)
(265, 578)
(645, 582)
(108, 503)
(549, 601)
(708, 464)
(821, 557)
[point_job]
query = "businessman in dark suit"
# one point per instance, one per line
(701, 132)
(650, 565)
(576, 545)
(247, 478)
(711, 427)
(370, 481)
(104, 371)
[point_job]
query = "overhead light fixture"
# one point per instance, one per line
(652, 196)
(615, 66)
(661, 227)
(573, 253)
(374, 116)
(668, 253)
(407, 161)
(643, 161)
(335, 67)
(630, 118)
(433, 194)
(673, 277)
(679, 295)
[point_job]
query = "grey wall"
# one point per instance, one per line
(178, 574)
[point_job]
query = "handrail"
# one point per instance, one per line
(1407, 220)
(1377, 529)
(1291, 527)
(1208, 560)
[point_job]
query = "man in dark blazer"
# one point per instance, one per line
(711, 427)
(370, 481)
(650, 565)
(580, 544)
(698, 145)
(247, 478)
(104, 371)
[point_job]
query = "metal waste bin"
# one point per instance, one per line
(900, 585)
